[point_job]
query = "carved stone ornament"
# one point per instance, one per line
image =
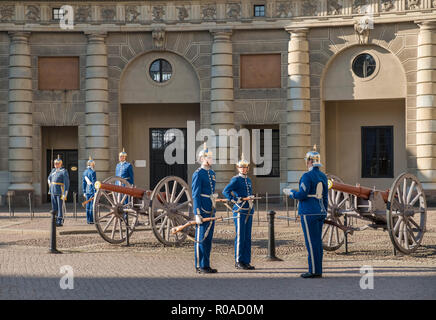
(387, 5)
(208, 12)
(309, 7)
(283, 10)
(6, 12)
(334, 7)
(83, 13)
(362, 28)
(434, 3)
(132, 13)
(158, 13)
(33, 13)
(361, 6)
(413, 4)
(234, 10)
(108, 13)
(158, 36)
(183, 13)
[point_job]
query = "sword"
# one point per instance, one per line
(191, 223)
(85, 202)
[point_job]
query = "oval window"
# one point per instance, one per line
(160, 70)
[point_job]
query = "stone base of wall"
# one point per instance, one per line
(430, 196)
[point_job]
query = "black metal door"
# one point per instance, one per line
(159, 140)
(70, 162)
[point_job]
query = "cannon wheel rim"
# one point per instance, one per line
(398, 210)
(107, 219)
(334, 236)
(161, 219)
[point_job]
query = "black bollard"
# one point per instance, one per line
(53, 233)
(271, 240)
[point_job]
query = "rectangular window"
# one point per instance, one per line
(275, 169)
(57, 13)
(58, 73)
(259, 10)
(260, 71)
(378, 152)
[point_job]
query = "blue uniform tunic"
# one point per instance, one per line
(240, 187)
(59, 183)
(88, 180)
(313, 212)
(203, 186)
(125, 170)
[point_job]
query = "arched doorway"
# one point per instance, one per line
(158, 91)
(363, 103)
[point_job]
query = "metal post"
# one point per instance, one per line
(257, 205)
(266, 203)
(30, 205)
(346, 234)
(287, 207)
(75, 205)
(271, 240)
(395, 251)
(53, 233)
(127, 229)
(11, 206)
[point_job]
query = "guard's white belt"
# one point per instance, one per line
(88, 181)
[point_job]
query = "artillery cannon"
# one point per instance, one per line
(118, 207)
(401, 210)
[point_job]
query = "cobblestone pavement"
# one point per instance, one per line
(147, 270)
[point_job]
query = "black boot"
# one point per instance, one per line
(310, 275)
(206, 270)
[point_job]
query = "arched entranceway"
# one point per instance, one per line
(158, 91)
(364, 118)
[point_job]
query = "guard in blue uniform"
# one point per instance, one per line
(58, 184)
(239, 188)
(313, 202)
(204, 196)
(124, 169)
(88, 180)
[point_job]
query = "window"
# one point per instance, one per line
(58, 73)
(364, 65)
(160, 70)
(377, 152)
(275, 168)
(260, 71)
(259, 10)
(57, 13)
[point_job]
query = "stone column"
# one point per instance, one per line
(221, 96)
(20, 113)
(96, 108)
(426, 105)
(298, 105)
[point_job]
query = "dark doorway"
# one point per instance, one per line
(70, 162)
(159, 140)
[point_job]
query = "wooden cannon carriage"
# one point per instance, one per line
(118, 207)
(401, 210)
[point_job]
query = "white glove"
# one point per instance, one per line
(198, 219)
(287, 191)
(84, 195)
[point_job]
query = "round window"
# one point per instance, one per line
(160, 70)
(364, 65)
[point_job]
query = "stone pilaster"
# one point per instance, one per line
(221, 96)
(298, 104)
(426, 105)
(96, 108)
(20, 113)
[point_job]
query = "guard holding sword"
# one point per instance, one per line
(88, 181)
(313, 202)
(240, 192)
(204, 196)
(58, 183)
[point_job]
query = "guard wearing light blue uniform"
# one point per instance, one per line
(313, 202)
(58, 183)
(203, 196)
(88, 180)
(240, 187)
(124, 169)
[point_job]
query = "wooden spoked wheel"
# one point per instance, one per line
(111, 212)
(406, 213)
(171, 206)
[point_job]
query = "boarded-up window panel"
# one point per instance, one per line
(58, 73)
(260, 71)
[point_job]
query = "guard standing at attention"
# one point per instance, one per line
(204, 196)
(88, 181)
(58, 184)
(124, 169)
(313, 198)
(240, 187)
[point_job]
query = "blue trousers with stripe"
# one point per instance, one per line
(56, 205)
(89, 210)
(243, 236)
(312, 229)
(202, 247)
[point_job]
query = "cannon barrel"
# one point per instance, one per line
(358, 191)
(131, 191)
